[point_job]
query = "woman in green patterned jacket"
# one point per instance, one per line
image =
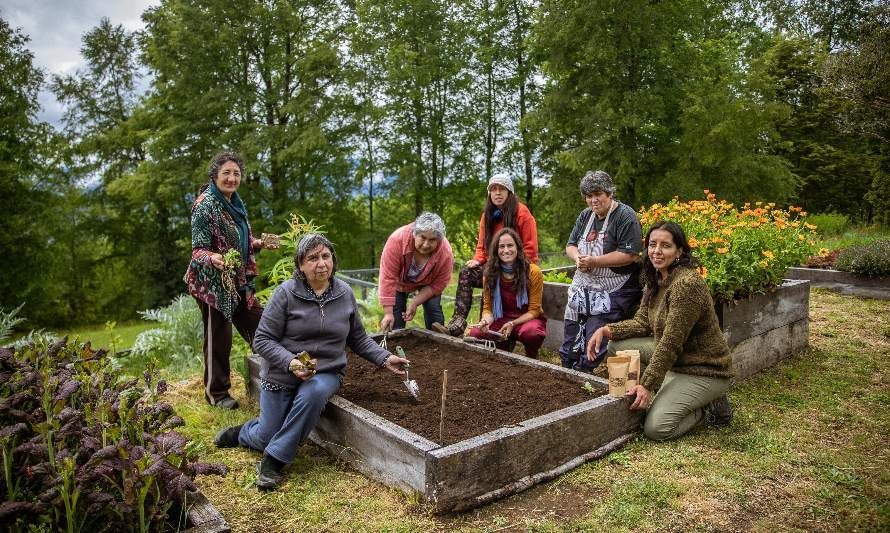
(678, 335)
(220, 274)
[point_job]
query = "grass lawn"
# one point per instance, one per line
(100, 337)
(855, 236)
(808, 450)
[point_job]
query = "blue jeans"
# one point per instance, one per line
(432, 311)
(288, 416)
(624, 301)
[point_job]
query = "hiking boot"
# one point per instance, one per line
(224, 403)
(719, 413)
(269, 474)
(455, 327)
(227, 437)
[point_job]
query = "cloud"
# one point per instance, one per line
(56, 27)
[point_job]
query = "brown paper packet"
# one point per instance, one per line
(633, 369)
(618, 374)
(270, 240)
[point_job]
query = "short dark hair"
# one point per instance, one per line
(307, 243)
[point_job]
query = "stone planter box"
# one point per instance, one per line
(203, 516)
(486, 467)
(761, 330)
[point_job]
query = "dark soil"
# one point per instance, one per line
(484, 392)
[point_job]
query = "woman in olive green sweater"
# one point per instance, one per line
(689, 362)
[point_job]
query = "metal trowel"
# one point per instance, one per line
(410, 384)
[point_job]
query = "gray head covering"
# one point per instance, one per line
(307, 243)
(503, 180)
(429, 222)
(595, 181)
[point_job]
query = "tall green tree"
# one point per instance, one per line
(25, 194)
(634, 87)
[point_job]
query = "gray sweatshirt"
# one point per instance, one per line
(294, 321)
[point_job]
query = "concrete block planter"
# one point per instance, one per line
(480, 469)
(761, 330)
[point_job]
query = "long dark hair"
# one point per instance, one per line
(508, 212)
(649, 274)
(493, 265)
(216, 163)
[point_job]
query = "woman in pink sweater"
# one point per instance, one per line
(416, 258)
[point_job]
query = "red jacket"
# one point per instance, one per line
(396, 260)
(526, 227)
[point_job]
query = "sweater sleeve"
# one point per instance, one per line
(270, 331)
(358, 338)
(389, 270)
(684, 310)
(481, 254)
(535, 290)
(638, 326)
(202, 235)
(527, 228)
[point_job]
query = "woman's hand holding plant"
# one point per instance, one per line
(410, 311)
(217, 261)
(472, 263)
(302, 366)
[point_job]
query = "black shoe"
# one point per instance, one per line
(226, 403)
(227, 437)
(269, 473)
(719, 413)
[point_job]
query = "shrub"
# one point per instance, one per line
(283, 269)
(179, 336)
(8, 321)
(740, 251)
(557, 277)
(83, 452)
(829, 224)
(872, 259)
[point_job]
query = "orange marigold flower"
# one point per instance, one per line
(823, 252)
(764, 263)
(801, 237)
(722, 250)
(714, 217)
(808, 225)
(803, 213)
(693, 243)
(754, 224)
(703, 271)
(726, 231)
(769, 254)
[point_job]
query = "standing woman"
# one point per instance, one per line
(315, 313)
(678, 335)
(219, 224)
(416, 257)
(511, 297)
(502, 210)
(605, 245)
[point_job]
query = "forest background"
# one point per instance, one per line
(359, 114)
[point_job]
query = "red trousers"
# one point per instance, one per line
(531, 334)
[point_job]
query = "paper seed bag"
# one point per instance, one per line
(633, 369)
(618, 374)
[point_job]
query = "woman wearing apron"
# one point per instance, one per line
(605, 244)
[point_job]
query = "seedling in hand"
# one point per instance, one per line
(231, 262)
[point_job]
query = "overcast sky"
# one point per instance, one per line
(56, 28)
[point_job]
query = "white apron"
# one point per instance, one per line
(588, 294)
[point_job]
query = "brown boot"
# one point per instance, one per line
(455, 327)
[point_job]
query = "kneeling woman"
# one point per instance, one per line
(511, 297)
(316, 313)
(678, 335)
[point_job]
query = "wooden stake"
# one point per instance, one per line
(444, 397)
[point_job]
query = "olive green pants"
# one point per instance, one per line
(678, 406)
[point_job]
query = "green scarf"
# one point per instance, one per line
(239, 215)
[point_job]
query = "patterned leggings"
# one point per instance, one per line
(469, 278)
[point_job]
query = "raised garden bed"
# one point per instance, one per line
(761, 330)
(511, 422)
(203, 517)
(843, 282)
